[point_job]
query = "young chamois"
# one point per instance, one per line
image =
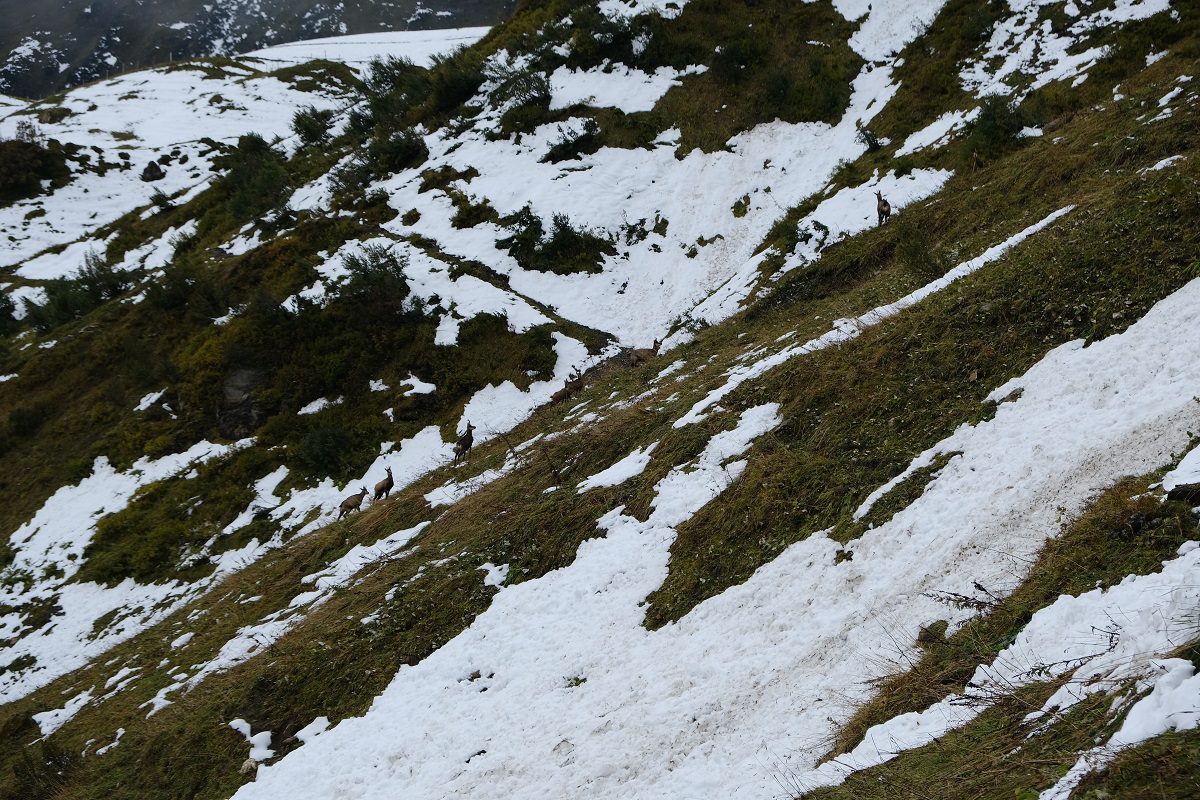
(883, 207)
(642, 355)
(384, 487)
(462, 447)
(352, 503)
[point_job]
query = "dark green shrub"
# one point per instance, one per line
(521, 84)
(27, 420)
(8, 316)
(996, 128)
(598, 38)
(312, 125)
(25, 164)
(573, 145)
(377, 286)
(400, 150)
(454, 79)
(349, 180)
(161, 200)
(566, 250)
(70, 298)
(255, 180)
(324, 450)
(185, 285)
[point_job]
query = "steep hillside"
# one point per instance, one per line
(905, 503)
(50, 45)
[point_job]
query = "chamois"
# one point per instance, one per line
(352, 503)
(642, 355)
(463, 446)
(883, 207)
(384, 487)
(569, 388)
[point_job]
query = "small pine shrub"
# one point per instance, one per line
(378, 285)
(24, 165)
(255, 180)
(393, 88)
(996, 128)
(187, 287)
(598, 38)
(868, 139)
(161, 200)
(312, 126)
(400, 150)
(70, 298)
(8, 314)
(518, 83)
(323, 450)
(565, 251)
(454, 79)
(572, 145)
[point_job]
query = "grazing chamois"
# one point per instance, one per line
(463, 446)
(352, 503)
(384, 487)
(883, 207)
(569, 388)
(642, 355)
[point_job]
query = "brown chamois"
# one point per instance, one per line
(642, 355)
(569, 388)
(352, 503)
(463, 446)
(883, 207)
(384, 487)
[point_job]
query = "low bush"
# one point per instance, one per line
(996, 129)
(24, 165)
(393, 152)
(566, 250)
(255, 181)
(70, 298)
(312, 126)
(571, 145)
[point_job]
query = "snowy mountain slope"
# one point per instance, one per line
(51, 45)
(418, 278)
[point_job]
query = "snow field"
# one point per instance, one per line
(144, 115)
(767, 669)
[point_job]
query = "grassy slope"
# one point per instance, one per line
(854, 417)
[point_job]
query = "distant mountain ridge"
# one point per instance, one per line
(50, 45)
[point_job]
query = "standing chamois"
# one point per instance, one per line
(883, 207)
(642, 355)
(352, 503)
(384, 487)
(463, 446)
(574, 382)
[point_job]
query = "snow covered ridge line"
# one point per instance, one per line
(846, 329)
(359, 50)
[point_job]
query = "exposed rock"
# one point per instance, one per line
(1186, 493)
(153, 172)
